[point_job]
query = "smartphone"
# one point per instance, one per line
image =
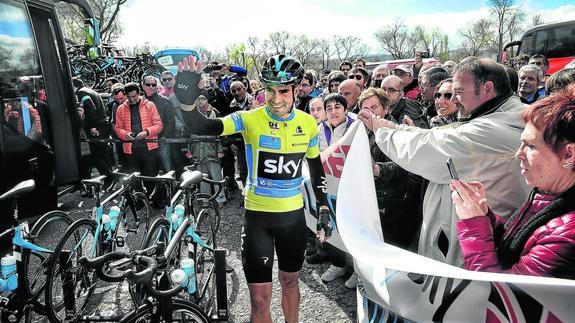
(451, 169)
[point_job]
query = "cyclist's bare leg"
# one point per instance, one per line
(260, 298)
(290, 295)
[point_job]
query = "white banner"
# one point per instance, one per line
(401, 285)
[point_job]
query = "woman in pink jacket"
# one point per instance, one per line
(539, 239)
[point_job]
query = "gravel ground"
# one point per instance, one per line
(320, 302)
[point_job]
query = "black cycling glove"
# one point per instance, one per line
(323, 222)
(186, 88)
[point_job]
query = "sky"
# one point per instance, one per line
(215, 24)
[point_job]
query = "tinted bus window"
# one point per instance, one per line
(527, 45)
(541, 41)
(22, 91)
(564, 42)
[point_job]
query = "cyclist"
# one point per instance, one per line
(277, 137)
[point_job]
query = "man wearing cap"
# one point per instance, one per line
(410, 85)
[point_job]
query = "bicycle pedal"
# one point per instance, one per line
(120, 242)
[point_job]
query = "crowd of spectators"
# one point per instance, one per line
(509, 131)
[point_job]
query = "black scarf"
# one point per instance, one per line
(510, 247)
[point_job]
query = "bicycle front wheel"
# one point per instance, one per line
(46, 233)
(138, 222)
(205, 261)
(202, 201)
(70, 285)
(181, 311)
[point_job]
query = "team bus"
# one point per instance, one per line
(554, 40)
(39, 131)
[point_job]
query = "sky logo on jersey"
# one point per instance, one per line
(279, 166)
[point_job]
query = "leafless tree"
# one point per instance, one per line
(476, 37)
(507, 18)
(326, 51)
(430, 40)
(106, 11)
(256, 53)
(349, 48)
(537, 20)
(395, 39)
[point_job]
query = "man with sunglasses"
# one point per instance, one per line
(279, 137)
(168, 82)
(119, 96)
(400, 106)
(360, 75)
(168, 117)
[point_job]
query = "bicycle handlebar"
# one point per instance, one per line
(98, 263)
(145, 277)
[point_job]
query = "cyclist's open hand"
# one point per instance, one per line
(187, 79)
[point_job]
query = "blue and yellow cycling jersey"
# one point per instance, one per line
(275, 149)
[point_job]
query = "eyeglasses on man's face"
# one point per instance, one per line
(150, 84)
(355, 76)
(167, 79)
(390, 90)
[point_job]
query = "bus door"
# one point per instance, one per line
(38, 138)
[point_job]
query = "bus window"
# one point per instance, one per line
(541, 40)
(563, 44)
(22, 91)
(527, 45)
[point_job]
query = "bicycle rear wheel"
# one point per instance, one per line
(88, 73)
(69, 284)
(46, 232)
(182, 311)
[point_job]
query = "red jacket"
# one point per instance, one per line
(150, 121)
(549, 251)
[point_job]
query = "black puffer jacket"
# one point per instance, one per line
(167, 113)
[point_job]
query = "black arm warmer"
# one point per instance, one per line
(318, 181)
(200, 125)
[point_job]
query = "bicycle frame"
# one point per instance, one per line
(23, 300)
(98, 212)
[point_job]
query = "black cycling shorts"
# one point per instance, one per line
(262, 232)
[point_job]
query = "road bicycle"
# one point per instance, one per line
(22, 278)
(159, 287)
(189, 229)
(70, 286)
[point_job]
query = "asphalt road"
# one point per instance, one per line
(320, 302)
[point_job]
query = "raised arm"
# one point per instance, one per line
(187, 90)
